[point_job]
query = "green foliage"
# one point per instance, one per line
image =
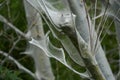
(6, 74)
(63, 73)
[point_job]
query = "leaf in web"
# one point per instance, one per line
(71, 50)
(68, 45)
(54, 52)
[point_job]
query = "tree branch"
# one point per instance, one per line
(17, 63)
(4, 20)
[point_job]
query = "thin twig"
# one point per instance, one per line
(14, 44)
(17, 63)
(4, 20)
